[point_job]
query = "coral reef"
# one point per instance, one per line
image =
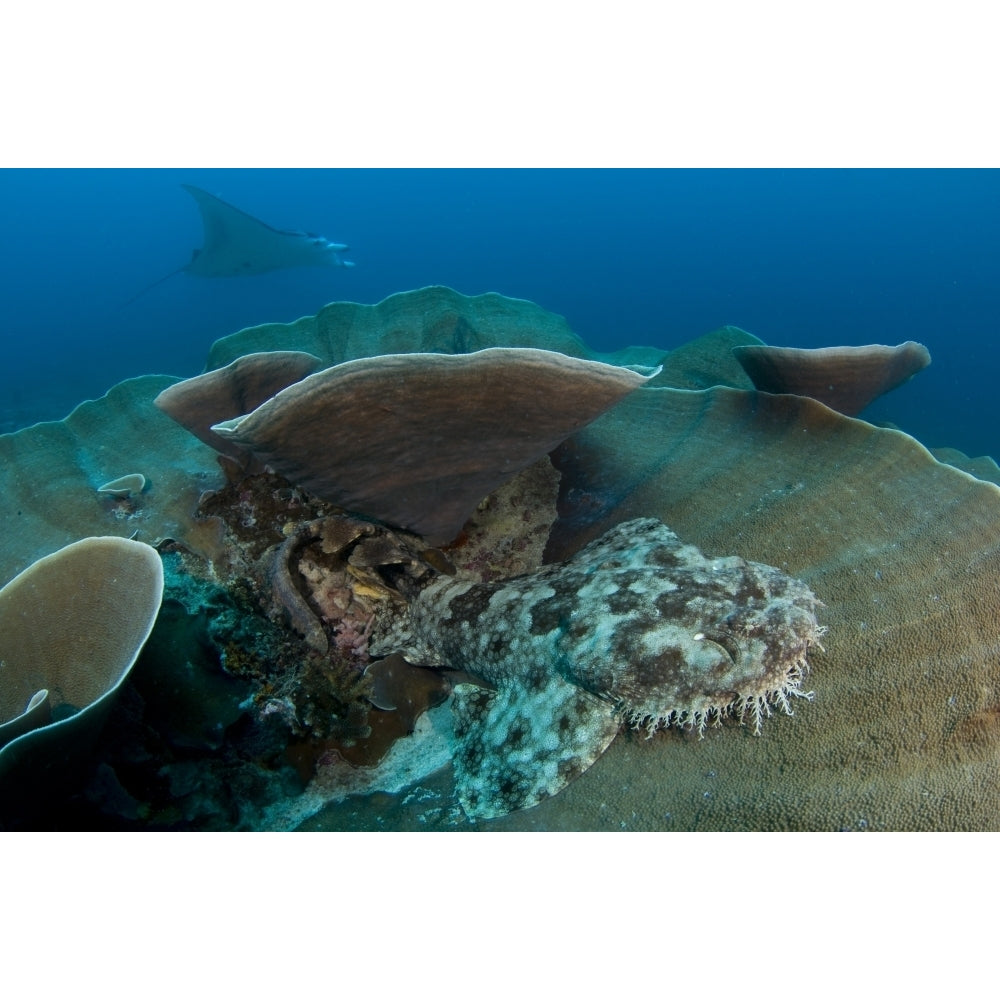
(417, 440)
(50, 474)
(259, 704)
(431, 320)
(983, 467)
(124, 486)
(71, 627)
(198, 403)
(846, 379)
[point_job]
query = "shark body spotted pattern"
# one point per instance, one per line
(636, 627)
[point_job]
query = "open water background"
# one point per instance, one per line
(804, 258)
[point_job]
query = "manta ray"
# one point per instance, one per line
(236, 244)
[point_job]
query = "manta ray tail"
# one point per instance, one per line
(149, 288)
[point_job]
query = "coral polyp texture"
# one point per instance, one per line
(635, 627)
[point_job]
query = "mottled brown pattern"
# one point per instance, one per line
(576, 647)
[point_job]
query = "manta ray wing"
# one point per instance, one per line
(238, 244)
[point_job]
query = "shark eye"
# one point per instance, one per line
(725, 641)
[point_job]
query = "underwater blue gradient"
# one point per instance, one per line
(804, 258)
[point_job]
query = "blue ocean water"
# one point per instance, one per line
(804, 258)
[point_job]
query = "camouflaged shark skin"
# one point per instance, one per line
(636, 627)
